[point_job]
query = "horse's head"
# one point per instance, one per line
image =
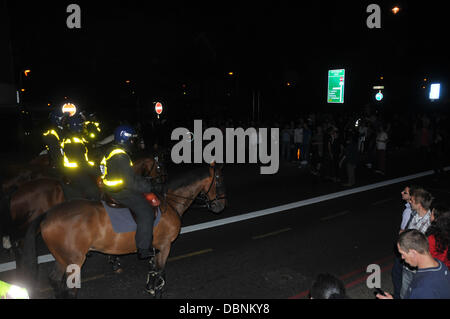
(151, 167)
(214, 189)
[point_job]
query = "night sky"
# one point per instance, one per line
(161, 46)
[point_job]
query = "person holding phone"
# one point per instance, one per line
(432, 279)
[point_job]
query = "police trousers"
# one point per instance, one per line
(144, 215)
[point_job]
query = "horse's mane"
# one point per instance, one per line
(188, 178)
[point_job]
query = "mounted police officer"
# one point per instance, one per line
(77, 166)
(53, 136)
(128, 189)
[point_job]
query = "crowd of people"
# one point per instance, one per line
(334, 145)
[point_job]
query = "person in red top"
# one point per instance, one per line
(439, 233)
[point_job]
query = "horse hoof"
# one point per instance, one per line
(151, 292)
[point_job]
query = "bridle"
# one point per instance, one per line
(203, 196)
(220, 188)
(159, 177)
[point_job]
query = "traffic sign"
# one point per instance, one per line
(336, 86)
(69, 108)
(158, 108)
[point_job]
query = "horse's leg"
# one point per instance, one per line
(21, 270)
(64, 260)
(72, 291)
(156, 277)
(56, 280)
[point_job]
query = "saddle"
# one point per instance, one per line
(122, 218)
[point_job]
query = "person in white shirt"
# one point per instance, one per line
(381, 145)
(406, 215)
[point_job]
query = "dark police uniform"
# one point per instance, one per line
(52, 143)
(127, 188)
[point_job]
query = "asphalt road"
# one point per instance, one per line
(276, 256)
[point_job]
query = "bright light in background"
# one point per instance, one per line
(435, 91)
(26, 72)
(395, 10)
(379, 96)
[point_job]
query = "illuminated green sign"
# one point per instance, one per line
(336, 86)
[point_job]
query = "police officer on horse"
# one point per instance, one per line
(77, 166)
(128, 189)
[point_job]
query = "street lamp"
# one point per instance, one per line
(395, 10)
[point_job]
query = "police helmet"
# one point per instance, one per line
(56, 117)
(124, 135)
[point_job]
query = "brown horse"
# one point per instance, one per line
(37, 196)
(74, 228)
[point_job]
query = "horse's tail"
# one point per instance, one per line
(29, 257)
(6, 222)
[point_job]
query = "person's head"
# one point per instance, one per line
(125, 136)
(91, 130)
(336, 133)
(421, 199)
(413, 246)
(440, 227)
(406, 192)
(439, 210)
(56, 117)
(327, 286)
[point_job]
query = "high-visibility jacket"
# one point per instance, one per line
(117, 172)
(8, 291)
(75, 153)
(52, 142)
